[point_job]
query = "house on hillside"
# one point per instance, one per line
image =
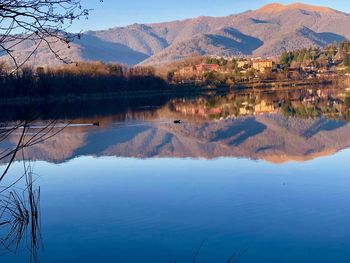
(187, 70)
(263, 64)
(243, 63)
(203, 68)
(199, 69)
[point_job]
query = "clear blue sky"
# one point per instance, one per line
(113, 13)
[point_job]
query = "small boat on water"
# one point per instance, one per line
(96, 123)
(177, 121)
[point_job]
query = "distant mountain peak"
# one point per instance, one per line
(265, 32)
(276, 8)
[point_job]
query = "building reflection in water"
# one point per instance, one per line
(276, 126)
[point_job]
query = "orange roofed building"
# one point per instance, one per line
(187, 70)
(202, 68)
(199, 69)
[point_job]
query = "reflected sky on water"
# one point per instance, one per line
(140, 188)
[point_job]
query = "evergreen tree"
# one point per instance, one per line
(347, 60)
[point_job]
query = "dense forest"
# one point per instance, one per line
(76, 79)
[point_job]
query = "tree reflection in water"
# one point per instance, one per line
(203, 117)
(20, 206)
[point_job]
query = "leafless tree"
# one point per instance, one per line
(41, 22)
(29, 135)
(37, 22)
(20, 210)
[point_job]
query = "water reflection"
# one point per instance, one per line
(276, 126)
(164, 206)
(302, 103)
(20, 226)
(20, 215)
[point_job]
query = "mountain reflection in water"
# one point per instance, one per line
(275, 126)
(176, 192)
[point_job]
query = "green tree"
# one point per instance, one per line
(347, 101)
(344, 48)
(347, 60)
(286, 58)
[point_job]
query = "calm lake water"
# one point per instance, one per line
(261, 176)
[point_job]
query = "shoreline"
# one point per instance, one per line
(180, 90)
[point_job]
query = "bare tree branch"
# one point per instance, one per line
(26, 139)
(38, 22)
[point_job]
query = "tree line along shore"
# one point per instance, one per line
(293, 68)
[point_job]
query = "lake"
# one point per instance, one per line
(244, 177)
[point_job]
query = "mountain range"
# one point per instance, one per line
(264, 32)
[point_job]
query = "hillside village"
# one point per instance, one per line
(313, 63)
